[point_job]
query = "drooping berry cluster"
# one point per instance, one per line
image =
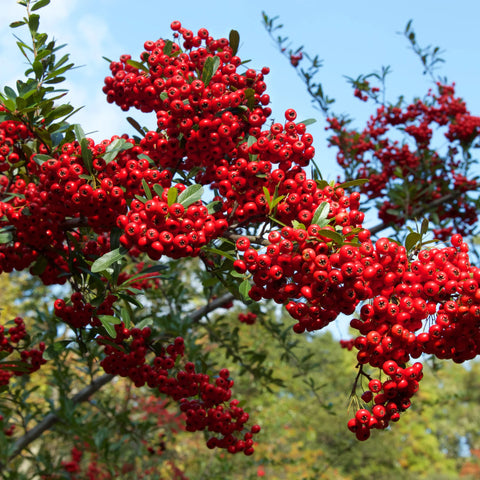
(204, 402)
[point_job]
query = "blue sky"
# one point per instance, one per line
(351, 37)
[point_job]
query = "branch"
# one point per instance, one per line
(53, 418)
(210, 306)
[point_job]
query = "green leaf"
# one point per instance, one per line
(5, 237)
(214, 207)
(138, 65)
(172, 196)
(108, 322)
(167, 49)
(146, 322)
(10, 92)
(33, 22)
(17, 24)
(234, 40)
(412, 239)
(190, 195)
(102, 263)
(209, 68)
(40, 4)
(158, 189)
(53, 350)
(321, 213)
(39, 266)
(136, 125)
(115, 148)
(336, 237)
(308, 121)
(244, 288)
(146, 189)
(424, 227)
(60, 111)
(354, 183)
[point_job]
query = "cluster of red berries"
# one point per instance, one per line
(429, 305)
(249, 318)
(204, 402)
(80, 313)
(388, 398)
(381, 159)
(31, 359)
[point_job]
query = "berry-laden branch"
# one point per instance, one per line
(91, 211)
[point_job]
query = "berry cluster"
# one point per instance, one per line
(390, 166)
(249, 318)
(31, 359)
(203, 402)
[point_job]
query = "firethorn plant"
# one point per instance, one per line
(214, 178)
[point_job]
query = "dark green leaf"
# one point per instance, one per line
(53, 350)
(190, 195)
(214, 207)
(136, 125)
(354, 183)
(17, 24)
(40, 4)
(40, 158)
(209, 68)
(39, 266)
(102, 263)
(234, 40)
(33, 22)
(424, 227)
(167, 49)
(412, 239)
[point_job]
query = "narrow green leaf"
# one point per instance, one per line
(40, 4)
(424, 227)
(354, 183)
(190, 195)
(158, 189)
(308, 121)
(17, 24)
(138, 65)
(146, 322)
(234, 40)
(146, 189)
(172, 196)
(102, 263)
(54, 350)
(108, 322)
(268, 197)
(136, 125)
